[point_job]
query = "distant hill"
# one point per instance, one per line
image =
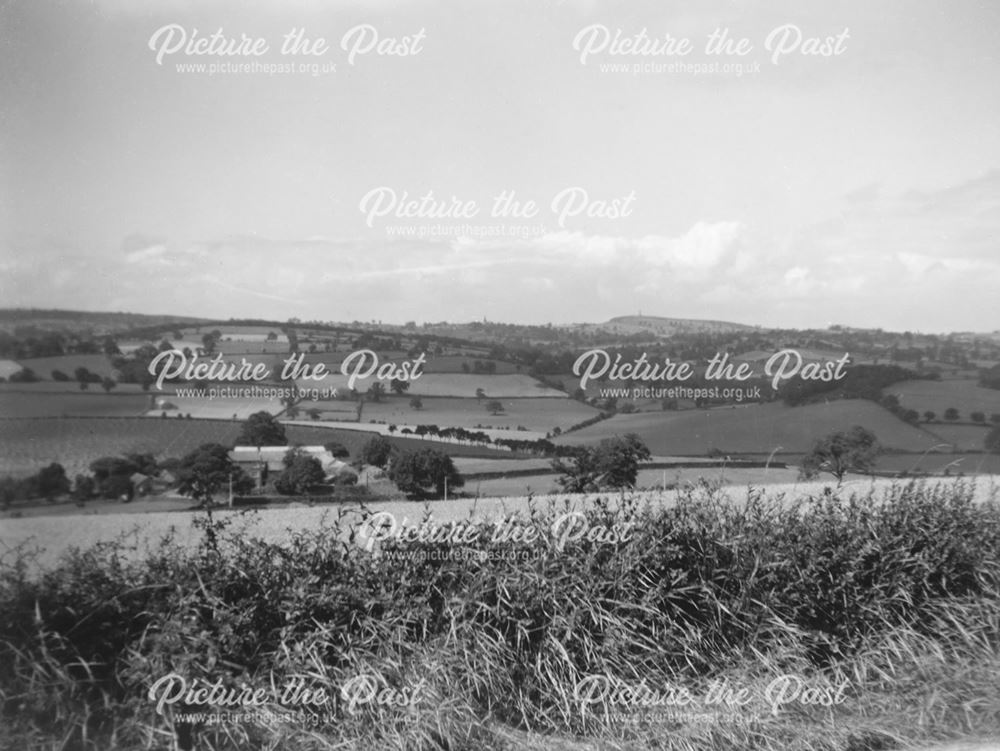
(81, 320)
(670, 326)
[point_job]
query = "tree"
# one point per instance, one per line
(111, 475)
(416, 402)
(480, 395)
(930, 416)
(262, 429)
(376, 452)
(398, 385)
(107, 384)
(376, 391)
(995, 417)
(855, 450)
(951, 414)
(418, 472)
(494, 406)
(58, 375)
(84, 488)
(208, 470)
(911, 416)
(301, 473)
(144, 463)
(51, 481)
(992, 440)
(613, 463)
(979, 417)
(337, 449)
(24, 375)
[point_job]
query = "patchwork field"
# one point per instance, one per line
(755, 428)
(964, 395)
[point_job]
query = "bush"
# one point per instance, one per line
(377, 451)
(896, 592)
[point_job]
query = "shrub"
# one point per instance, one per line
(896, 591)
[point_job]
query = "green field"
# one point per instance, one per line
(962, 437)
(755, 428)
(216, 409)
(43, 366)
(453, 384)
(964, 395)
(92, 403)
(26, 445)
(541, 415)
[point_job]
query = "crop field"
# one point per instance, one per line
(452, 384)
(43, 366)
(29, 444)
(540, 415)
(129, 346)
(216, 409)
(964, 395)
(64, 387)
(254, 346)
(26, 445)
(72, 404)
(942, 463)
(755, 428)
(963, 437)
(453, 364)
(246, 333)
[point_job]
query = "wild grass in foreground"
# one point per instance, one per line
(838, 622)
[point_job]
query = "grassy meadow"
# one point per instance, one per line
(755, 428)
(964, 395)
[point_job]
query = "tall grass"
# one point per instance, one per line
(894, 594)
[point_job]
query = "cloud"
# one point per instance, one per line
(919, 260)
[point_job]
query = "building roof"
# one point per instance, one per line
(273, 457)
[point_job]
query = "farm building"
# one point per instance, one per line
(264, 463)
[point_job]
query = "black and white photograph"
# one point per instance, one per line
(560, 375)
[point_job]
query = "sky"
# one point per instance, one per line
(844, 169)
